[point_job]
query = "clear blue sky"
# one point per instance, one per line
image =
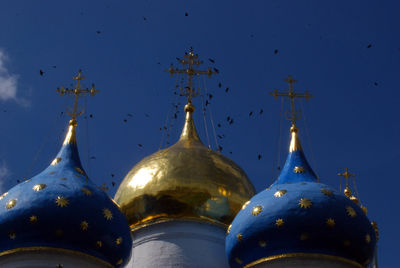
(351, 122)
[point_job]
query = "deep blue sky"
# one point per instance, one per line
(351, 122)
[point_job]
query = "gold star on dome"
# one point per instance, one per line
(326, 192)
(107, 214)
(84, 225)
(33, 219)
(99, 244)
(279, 222)
(56, 161)
(351, 212)
(86, 191)
(118, 241)
(119, 261)
(367, 238)
(256, 210)
(3, 195)
(330, 222)
(239, 261)
(12, 235)
(262, 243)
(298, 169)
(63, 179)
(304, 236)
(280, 193)
(245, 204)
(239, 237)
(229, 229)
(80, 170)
(305, 203)
(39, 187)
(10, 204)
(62, 201)
(51, 173)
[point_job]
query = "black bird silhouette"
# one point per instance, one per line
(144, 18)
(186, 14)
(376, 83)
(207, 102)
(130, 115)
(210, 96)
(147, 115)
(41, 72)
(91, 115)
(219, 136)
(216, 70)
(54, 66)
(259, 156)
(219, 85)
(369, 46)
(261, 111)
(140, 145)
(251, 113)
(125, 120)
(112, 175)
(93, 157)
(98, 32)
(275, 51)
(227, 89)
(113, 183)
(211, 60)
(220, 148)
(219, 125)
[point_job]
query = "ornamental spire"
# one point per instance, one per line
(346, 174)
(77, 91)
(190, 60)
(293, 116)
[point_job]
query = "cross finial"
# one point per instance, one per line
(77, 91)
(293, 117)
(346, 174)
(191, 60)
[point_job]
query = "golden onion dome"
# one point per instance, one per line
(186, 181)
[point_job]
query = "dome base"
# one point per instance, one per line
(179, 244)
(302, 260)
(45, 257)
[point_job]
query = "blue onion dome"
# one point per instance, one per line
(62, 210)
(299, 217)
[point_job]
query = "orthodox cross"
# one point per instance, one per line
(77, 91)
(191, 60)
(346, 174)
(292, 95)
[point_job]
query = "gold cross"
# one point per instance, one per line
(292, 95)
(190, 60)
(346, 174)
(77, 91)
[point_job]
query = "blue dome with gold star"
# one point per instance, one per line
(298, 217)
(61, 210)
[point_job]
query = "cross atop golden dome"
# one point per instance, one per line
(190, 60)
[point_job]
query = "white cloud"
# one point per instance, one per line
(4, 174)
(8, 82)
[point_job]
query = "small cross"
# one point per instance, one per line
(346, 174)
(77, 91)
(292, 95)
(190, 60)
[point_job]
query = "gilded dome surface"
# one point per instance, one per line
(186, 181)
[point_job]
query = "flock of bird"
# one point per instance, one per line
(229, 120)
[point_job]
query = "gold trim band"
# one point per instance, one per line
(186, 219)
(304, 255)
(57, 250)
